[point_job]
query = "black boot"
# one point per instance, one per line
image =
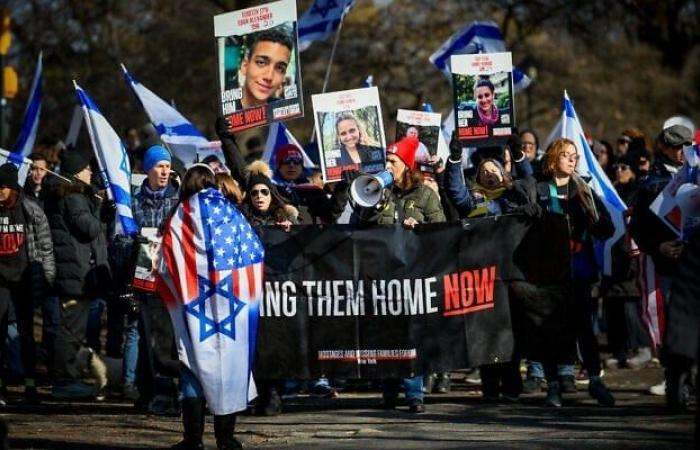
(193, 423)
(224, 426)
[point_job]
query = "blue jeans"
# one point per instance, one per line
(131, 351)
(189, 384)
(412, 386)
(536, 370)
(94, 325)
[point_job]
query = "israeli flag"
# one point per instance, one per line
(30, 123)
(477, 37)
(178, 133)
(113, 161)
(569, 127)
(277, 136)
(321, 20)
(23, 164)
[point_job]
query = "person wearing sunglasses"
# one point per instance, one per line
(263, 205)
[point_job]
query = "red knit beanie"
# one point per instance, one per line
(405, 150)
(288, 151)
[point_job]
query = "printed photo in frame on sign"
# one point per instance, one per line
(483, 98)
(426, 127)
(258, 62)
(350, 132)
(212, 155)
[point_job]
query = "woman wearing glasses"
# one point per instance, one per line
(563, 192)
(263, 205)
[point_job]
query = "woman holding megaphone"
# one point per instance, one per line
(409, 202)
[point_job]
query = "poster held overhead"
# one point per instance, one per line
(259, 73)
(424, 126)
(349, 131)
(483, 98)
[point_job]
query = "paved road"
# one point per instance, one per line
(354, 421)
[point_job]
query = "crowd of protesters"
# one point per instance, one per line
(55, 255)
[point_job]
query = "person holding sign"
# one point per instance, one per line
(409, 202)
(264, 68)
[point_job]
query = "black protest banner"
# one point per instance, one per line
(387, 302)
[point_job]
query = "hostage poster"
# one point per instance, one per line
(483, 98)
(350, 132)
(259, 73)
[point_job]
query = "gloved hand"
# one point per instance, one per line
(108, 211)
(350, 175)
(222, 128)
(455, 148)
(515, 146)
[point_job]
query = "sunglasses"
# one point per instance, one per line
(292, 162)
(622, 167)
(256, 192)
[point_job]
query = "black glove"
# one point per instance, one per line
(515, 146)
(222, 128)
(108, 211)
(530, 210)
(455, 148)
(350, 175)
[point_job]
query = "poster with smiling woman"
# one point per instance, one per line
(483, 98)
(259, 73)
(350, 132)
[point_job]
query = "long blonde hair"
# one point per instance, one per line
(365, 138)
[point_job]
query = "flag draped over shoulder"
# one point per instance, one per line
(210, 277)
(30, 123)
(113, 161)
(588, 168)
(477, 37)
(181, 137)
(278, 136)
(321, 20)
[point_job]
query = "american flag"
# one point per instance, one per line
(210, 277)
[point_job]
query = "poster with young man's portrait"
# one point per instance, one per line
(350, 132)
(483, 98)
(259, 73)
(426, 127)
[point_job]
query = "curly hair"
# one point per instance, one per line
(555, 149)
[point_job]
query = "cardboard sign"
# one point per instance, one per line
(483, 98)
(349, 132)
(259, 73)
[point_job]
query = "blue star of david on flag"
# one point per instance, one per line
(321, 8)
(321, 20)
(198, 308)
(231, 245)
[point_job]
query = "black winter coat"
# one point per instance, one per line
(80, 242)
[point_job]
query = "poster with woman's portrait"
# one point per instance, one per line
(350, 132)
(426, 127)
(259, 73)
(483, 98)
